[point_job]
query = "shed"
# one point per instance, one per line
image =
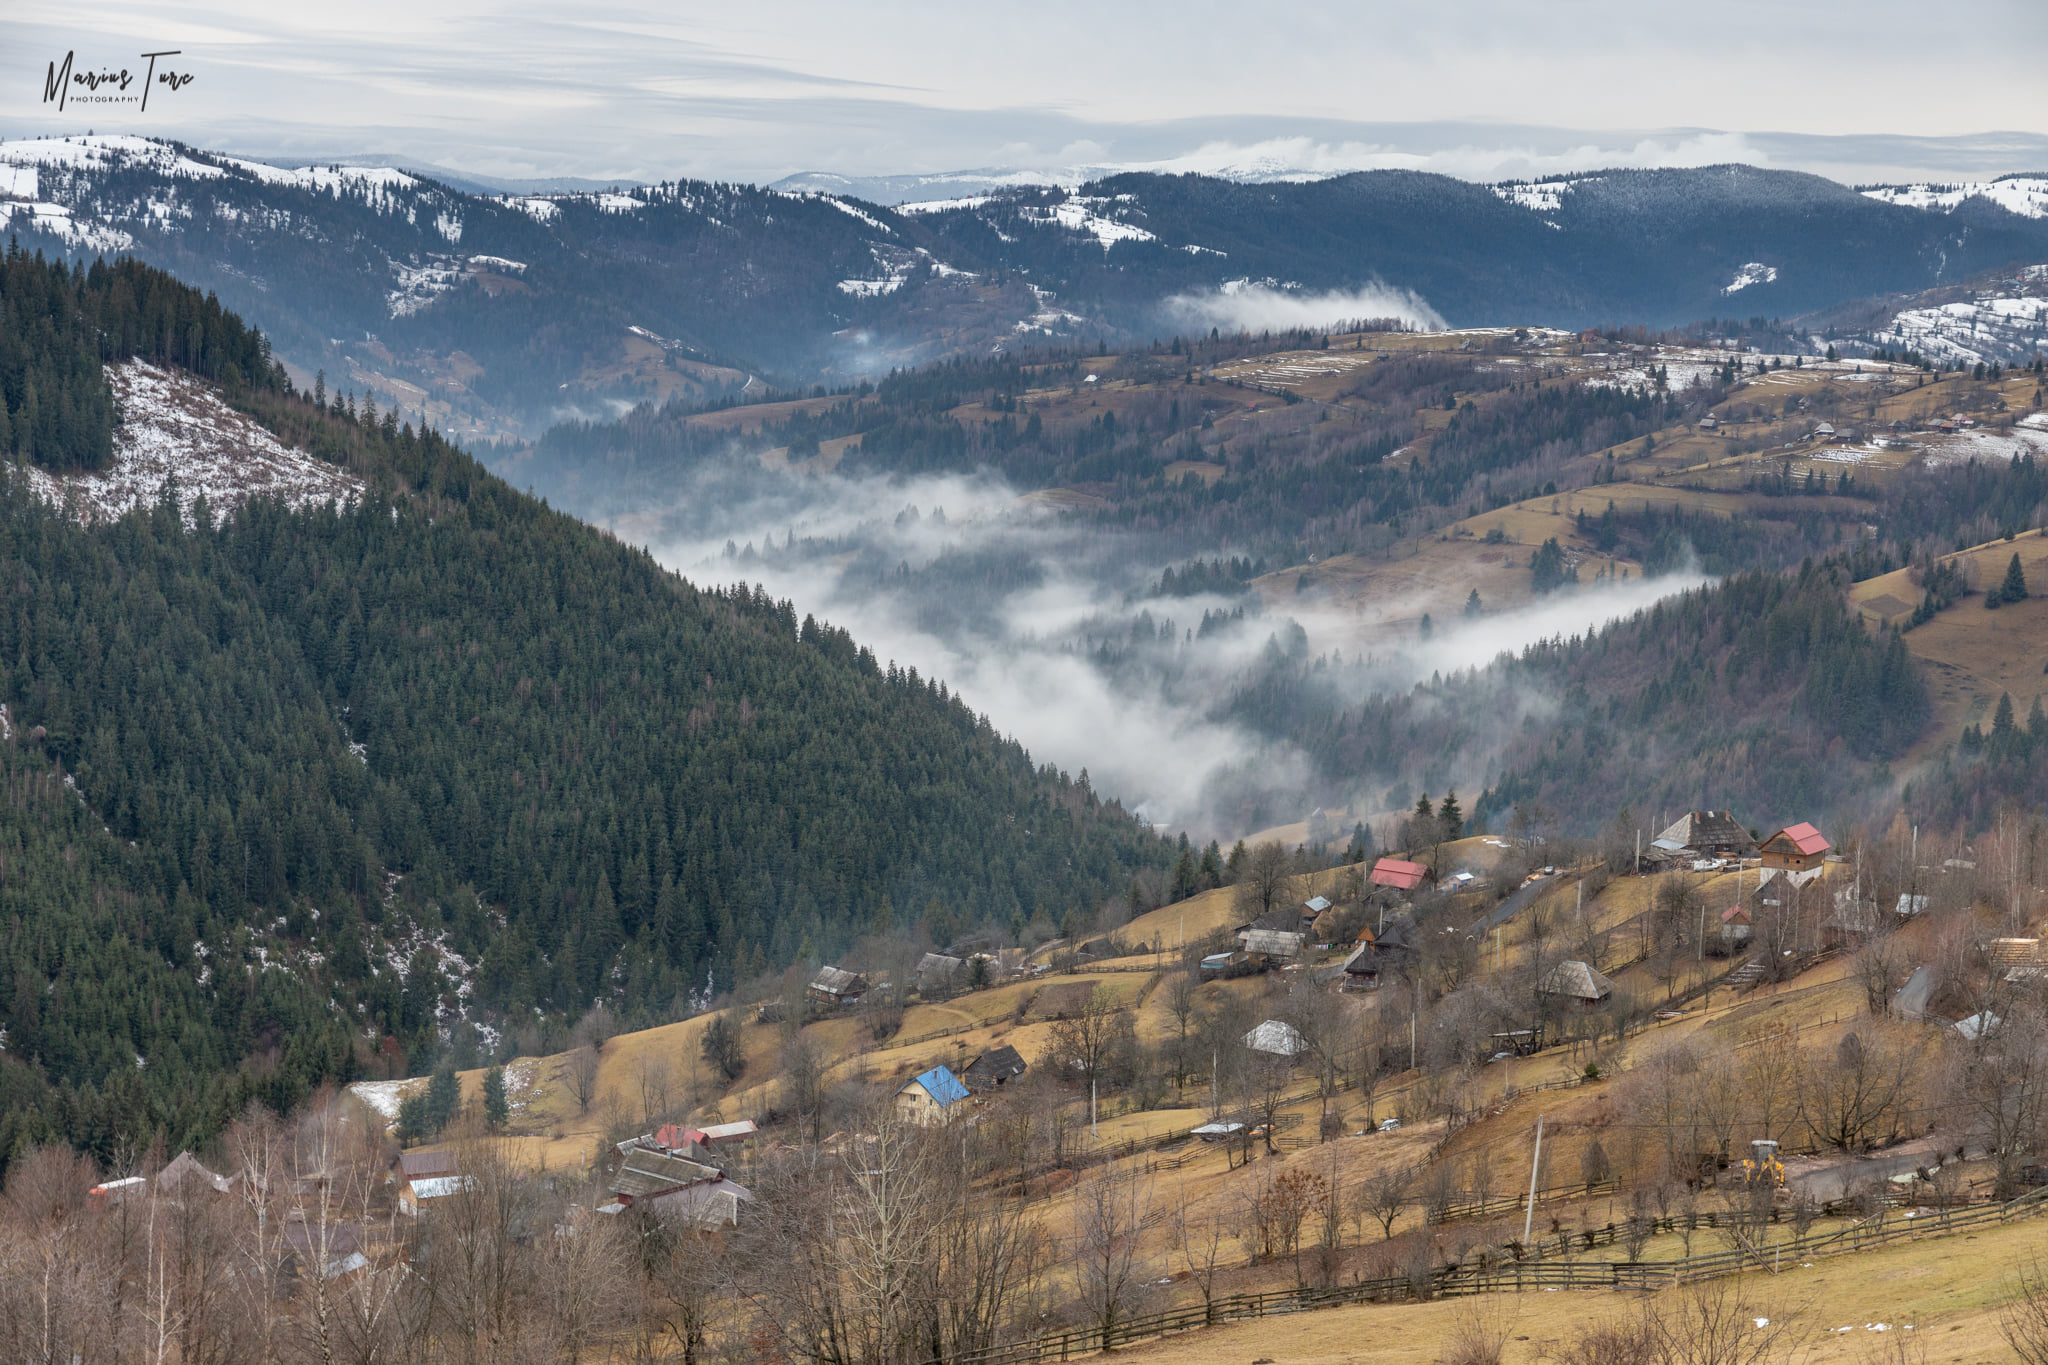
(1578, 981)
(1911, 1000)
(415, 1194)
(419, 1165)
(1276, 1038)
(1398, 874)
(993, 1069)
(2016, 959)
(1853, 921)
(837, 986)
(1313, 906)
(1217, 1132)
(1709, 422)
(1707, 831)
(1796, 848)
(930, 1097)
(1735, 925)
(1272, 943)
(1910, 905)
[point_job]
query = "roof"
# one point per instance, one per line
(434, 1186)
(838, 981)
(942, 1085)
(1911, 1001)
(727, 1132)
(646, 1172)
(1402, 876)
(938, 962)
(1735, 914)
(1801, 838)
(1978, 1025)
(1315, 905)
(1577, 980)
(1706, 829)
(710, 1204)
(1910, 904)
(1000, 1063)
(185, 1167)
(416, 1165)
(1276, 1038)
(1272, 942)
(1217, 1130)
(1364, 961)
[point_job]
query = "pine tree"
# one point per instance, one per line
(497, 1108)
(444, 1097)
(1473, 606)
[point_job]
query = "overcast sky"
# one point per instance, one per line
(755, 91)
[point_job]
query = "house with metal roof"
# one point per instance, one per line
(647, 1172)
(930, 1098)
(1278, 945)
(1276, 1038)
(1398, 874)
(1796, 848)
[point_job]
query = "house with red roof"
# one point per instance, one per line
(1796, 848)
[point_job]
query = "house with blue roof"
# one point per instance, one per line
(931, 1097)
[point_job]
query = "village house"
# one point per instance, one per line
(1397, 874)
(1274, 945)
(1712, 832)
(938, 971)
(836, 986)
(993, 1070)
(1577, 983)
(1735, 925)
(422, 1177)
(930, 1098)
(1796, 848)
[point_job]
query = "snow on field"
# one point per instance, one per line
(540, 210)
(1989, 327)
(851, 211)
(617, 203)
(1077, 214)
(2024, 195)
(175, 426)
(418, 286)
(58, 221)
(1754, 272)
(384, 1096)
(1989, 446)
(974, 201)
(18, 182)
(102, 151)
(1546, 197)
(501, 263)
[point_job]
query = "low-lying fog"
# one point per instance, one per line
(1048, 625)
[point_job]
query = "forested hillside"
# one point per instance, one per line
(446, 759)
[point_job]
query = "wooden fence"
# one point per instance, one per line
(1513, 1269)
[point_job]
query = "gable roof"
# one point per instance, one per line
(1272, 942)
(1277, 1038)
(1364, 961)
(1706, 829)
(1577, 980)
(1399, 874)
(1001, 1064)
(1735, 914)
(838, 981)
(646, 1172)
(1801, 838)
(938, 962)
(942, 1085)
(185, 1167)
(424, 1165)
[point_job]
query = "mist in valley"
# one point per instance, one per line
(1055, 627)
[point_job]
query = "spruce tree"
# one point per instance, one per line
(1451, 817)
(497, 1108)
(444, 1097)
(2014, 588)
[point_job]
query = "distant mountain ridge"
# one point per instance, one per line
(497, 314)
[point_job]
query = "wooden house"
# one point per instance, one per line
(1397, 874)
(836, 986)
(1796, 848)
(1735, 925)
(1714, 832)
(993, 1070)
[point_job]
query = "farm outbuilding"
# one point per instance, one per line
(1576, 981)
(994, 1069)
(1398, 874)
(1707, 831)
(837, 986)
(1276, 1038)
(1796, 848)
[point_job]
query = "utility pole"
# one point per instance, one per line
(1535, 1161)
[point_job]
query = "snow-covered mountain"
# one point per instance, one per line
(499, 313)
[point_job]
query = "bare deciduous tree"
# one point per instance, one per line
(1112, 1263)
(579, 1072)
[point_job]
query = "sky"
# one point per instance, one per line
(512, 90)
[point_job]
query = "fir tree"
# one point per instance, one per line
(497, 1108)
(2014, 587)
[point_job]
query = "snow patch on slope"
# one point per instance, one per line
(2025, 195)
(60, 223)
(1078, 213)
(1754, 272)
(174, 426)
(2008, 328)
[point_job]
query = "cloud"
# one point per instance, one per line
(1242, 306)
